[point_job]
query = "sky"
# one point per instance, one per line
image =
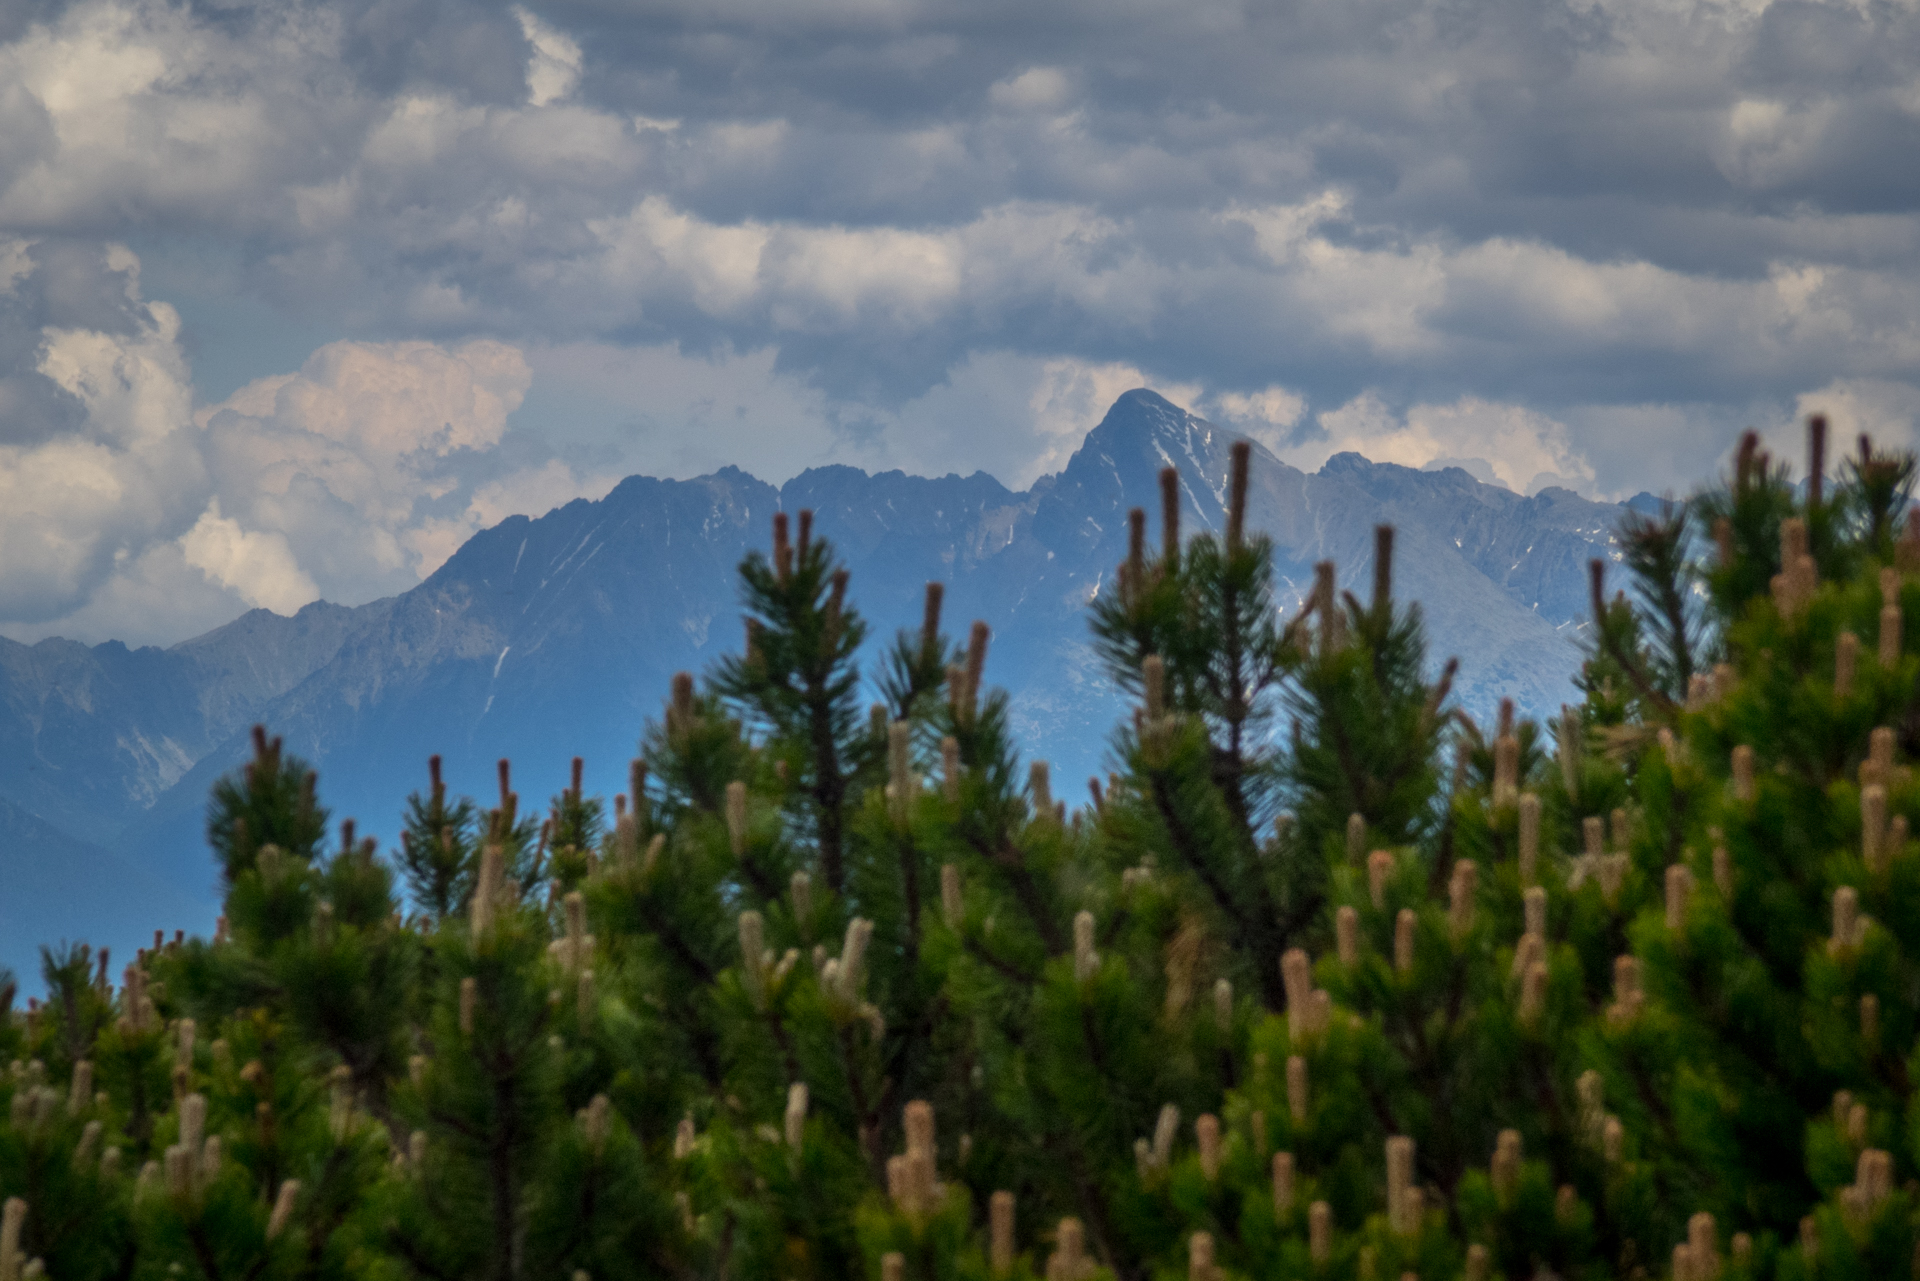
(295, 297)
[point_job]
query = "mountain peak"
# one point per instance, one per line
(1346, 463)
(1146, 419)
(1142, 433)
(1145, 397)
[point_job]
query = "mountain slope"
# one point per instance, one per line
(59, 889)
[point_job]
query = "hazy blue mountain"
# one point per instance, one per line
(91, 737)
(55, 889)
(545, 638)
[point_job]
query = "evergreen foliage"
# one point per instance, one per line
(1327, 981)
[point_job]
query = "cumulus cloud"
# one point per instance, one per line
(345, 458)
(1889, 412)
(144, 517)
(530, 491)
(1267, 415)
(1506, 445)
(256, 565)
(75, 503)
(124, 112)
(1036, 88)
(554, 67)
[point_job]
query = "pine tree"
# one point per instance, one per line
(439, 848)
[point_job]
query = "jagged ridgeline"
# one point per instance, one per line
(1324, 980)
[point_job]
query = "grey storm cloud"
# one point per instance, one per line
(1594, 239)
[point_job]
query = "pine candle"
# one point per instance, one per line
(1000, 1233)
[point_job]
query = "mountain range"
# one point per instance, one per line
(542, 639)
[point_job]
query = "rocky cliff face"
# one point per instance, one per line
(546, 638)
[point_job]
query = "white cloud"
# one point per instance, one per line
(259, 567)
(137, 108)
(802, 279)
(1036, 88)
(1345, 289)
(352, 477)
(873, 284)
(392, 400)
(1267, 415)
(658, 409)
(1508, 444)
(1381, 295)
(1889, 412)
(1425, 299)
(74, 506)
(1768, 142)
(533, 491)
(152, 597)
(554, 67)
(136, 391)
(14, 263)
(341, 458)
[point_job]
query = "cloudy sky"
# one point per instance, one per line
(296, 296)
